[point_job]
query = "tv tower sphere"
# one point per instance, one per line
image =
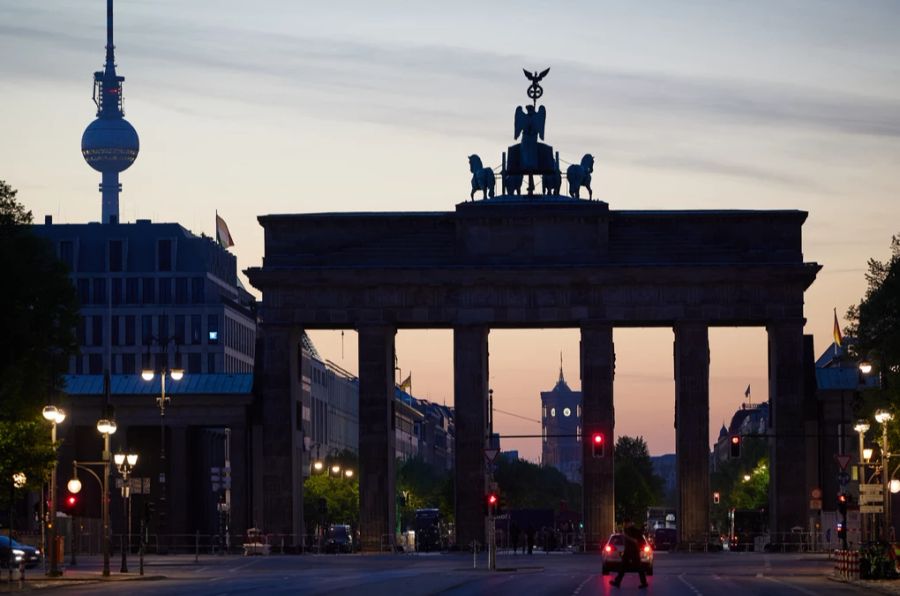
(109, 143)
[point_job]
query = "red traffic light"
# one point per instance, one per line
(735, 439)
(492, 499)
(598, 438)
(71, 500)
(598, 445)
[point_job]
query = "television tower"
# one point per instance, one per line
(109, 143)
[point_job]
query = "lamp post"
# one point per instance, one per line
(124, 464)
(54, 416)
(861, 427)
(176, 374)
(106, 428)
(883, 417)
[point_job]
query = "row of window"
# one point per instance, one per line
(133, 364)
(240, 338)
(116, 257)
(137, 290)
(185, 329)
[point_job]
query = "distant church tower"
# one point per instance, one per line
(109, 143)
(561, 415)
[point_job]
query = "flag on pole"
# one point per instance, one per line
(838, 337)
(406, 385)
(747, 392)
(223, 236)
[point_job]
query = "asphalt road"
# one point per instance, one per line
(520, 575)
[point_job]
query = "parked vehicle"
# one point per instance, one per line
(19, 552)
(614, 548)
(664, 538)
(339, 539)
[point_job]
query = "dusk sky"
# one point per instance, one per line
(296, 107)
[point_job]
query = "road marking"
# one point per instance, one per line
(688, 584)
(582, 584)
(793, 587)
(245, 565)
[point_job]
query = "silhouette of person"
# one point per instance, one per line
(631, 558)
(514, 537)
(529, 535)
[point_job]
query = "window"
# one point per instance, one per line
(115, 331)
(131, 290)
(163, 327)
(146, 329)
(80, 331)
(181, 287)
(212, 324)
(96, 331)
(195, 329)
(165, 290)
(116, 285)
(99, 290)
(128, 364)
(129, 330)
(149, 290)
(115, 255)
(211, 363)
(193, 366)
(197, 290)
(84, 291)
(179, 330)
(67, 254)
(164, 255)
(95, 364)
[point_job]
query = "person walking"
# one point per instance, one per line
(631, 558)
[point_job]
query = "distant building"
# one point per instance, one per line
(331, 410)
(152, 295)
(750, 419)
(561, 429)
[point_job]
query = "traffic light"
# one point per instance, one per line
(598, 445)
(70, 504)
(842, 503)
(735, 446)
(149, 510)
(490, 503)
(716, 497)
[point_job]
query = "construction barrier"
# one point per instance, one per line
(846, 564)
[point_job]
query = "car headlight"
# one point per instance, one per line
(37, 551)
(18, 554)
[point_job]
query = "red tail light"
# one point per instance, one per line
(608, 548)
(647, 548)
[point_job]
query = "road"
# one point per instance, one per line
(452, 574)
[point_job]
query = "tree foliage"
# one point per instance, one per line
(875, 325)
(25, 447)
(39, 312)
(637, 486)
(340, 494)
(736, 492)
(524, 485)
(423, 486)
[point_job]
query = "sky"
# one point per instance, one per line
(285, 106)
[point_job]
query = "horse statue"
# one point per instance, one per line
(512, 184)
(482, 178)
(550, 183)
(580, 175)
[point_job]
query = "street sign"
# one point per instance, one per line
(871, 509)
(816, 493)
(815, 504)
(843, 478)
(871, 489)
(842, 460)
(490, 455)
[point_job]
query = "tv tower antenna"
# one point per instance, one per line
(109, 143)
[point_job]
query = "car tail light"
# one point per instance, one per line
(608, 548)
(647, 549)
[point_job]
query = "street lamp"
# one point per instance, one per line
(865, 367)
(861, 427)
(54, 416)
(124, 464)
(336, 470)
(348, 473)
(106, 428)
(883, 417)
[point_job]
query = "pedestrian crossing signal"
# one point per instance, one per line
(735, 446)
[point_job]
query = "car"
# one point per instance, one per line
(664, 538)
(18, 553)
(612, 552)
(339, 539)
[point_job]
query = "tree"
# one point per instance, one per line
(423, 486)
(341, 498)
(875, 324)
(736, 492)
(524, 485)
(38, 316)
(637, 486)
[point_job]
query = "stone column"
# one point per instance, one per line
(598, 363)
(279, 464)
(692, 432)
(240, 485)
(179, 485)
(787, 447)
(377, 491)
(470, 392)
